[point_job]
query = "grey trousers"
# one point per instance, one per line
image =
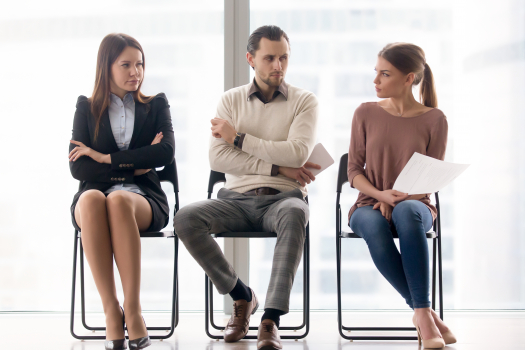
(285, 213)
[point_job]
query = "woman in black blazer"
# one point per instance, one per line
(119, 137)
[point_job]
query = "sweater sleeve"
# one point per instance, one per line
(85, 168)
(151, 156)
(293, 152)
(226, 158)
(357, 151)
(437, 145)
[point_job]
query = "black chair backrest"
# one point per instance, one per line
(342, 177)
(169, 174)
(215, 178)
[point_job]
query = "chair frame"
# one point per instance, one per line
(436, 240)
(168, 174)
(215, 178)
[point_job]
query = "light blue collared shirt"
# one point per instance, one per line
(122, 120)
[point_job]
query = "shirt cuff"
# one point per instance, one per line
(241, 140)
(275, 170)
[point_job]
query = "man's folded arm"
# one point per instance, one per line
(295, 151)
(228, 159)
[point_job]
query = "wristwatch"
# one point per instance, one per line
(236, 140)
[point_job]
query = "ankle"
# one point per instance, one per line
(132, 309)
(423, 312)
(241, 292)
(273, 315)
(111, 308)
(114, 323)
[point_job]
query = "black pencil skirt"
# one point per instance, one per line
(159, 220)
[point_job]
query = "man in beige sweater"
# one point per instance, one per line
(262, 136)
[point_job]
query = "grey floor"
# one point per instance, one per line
(475, 330)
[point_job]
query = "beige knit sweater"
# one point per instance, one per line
(282, 132)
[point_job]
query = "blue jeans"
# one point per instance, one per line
(407, 272)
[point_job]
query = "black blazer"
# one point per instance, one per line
(150, 119)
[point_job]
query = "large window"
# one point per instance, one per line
(475, 51)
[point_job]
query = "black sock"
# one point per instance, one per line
(241, 292)
(272, 314)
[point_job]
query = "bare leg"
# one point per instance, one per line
(129, 213)
(91, 216)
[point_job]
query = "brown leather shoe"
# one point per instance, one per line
(268, 336)
(239, 323)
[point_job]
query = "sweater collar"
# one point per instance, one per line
(254, 90)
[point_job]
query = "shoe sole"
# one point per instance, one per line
(269, 347)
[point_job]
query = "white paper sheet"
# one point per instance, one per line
(320, 156)
(424, 174)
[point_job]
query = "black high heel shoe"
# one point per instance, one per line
(118, 344)
(140, 343)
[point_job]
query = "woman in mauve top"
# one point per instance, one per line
(384, 136)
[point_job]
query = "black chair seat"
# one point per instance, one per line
(430, 234)
(244, 235)
(167, 234)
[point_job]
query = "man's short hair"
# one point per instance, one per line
(270, 32)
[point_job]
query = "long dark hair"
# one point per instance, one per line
(410, 58)
(110, 49)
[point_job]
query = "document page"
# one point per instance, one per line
(424, 174)
(320, 156)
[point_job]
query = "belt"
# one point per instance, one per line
(262, 191)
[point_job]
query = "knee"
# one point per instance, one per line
(407, 210)
(91, 199)
(291, 222)
(367, 221)
(119, 201)
(183, 220)
(373, 228)
(295, 214)
(378, 237)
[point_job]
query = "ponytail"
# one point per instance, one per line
(427, 90)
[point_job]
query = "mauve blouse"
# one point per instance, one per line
(381, 145)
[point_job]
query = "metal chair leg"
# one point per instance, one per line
(207, 309)
(175, 298)
(73, 287)
(72, 315)
(440, 276)
(434, 274)
(306, 301)
(83, 293)
(176, 278)
(73, 291)
(339, 312)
